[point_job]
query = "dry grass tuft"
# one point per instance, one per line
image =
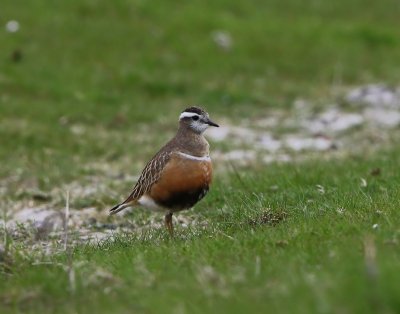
(268, 217)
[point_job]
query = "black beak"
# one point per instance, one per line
(209, 122)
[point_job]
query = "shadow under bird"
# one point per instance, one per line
(180, 174)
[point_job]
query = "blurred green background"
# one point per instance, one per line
(119, 65)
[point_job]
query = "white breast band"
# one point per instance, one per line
(203, 158)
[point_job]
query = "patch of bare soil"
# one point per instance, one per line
(364, 116)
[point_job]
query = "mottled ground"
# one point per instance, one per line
(362, 119)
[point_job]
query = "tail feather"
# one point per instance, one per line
(118, 208)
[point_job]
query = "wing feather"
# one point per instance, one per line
(149, 176)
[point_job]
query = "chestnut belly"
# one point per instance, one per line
(182, 184)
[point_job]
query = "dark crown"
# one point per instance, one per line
(195, 109)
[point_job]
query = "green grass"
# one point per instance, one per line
(313, 260)
(92, 62)
(100, 83)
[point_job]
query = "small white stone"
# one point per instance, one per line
(333, 120)
(298, 144)
(36, 215)
(222, 39)
(383, 117)
(376, 95)
(267, 142)
(346, 121)
(78, 129)
(12, 26)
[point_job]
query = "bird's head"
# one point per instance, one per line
(196, 119)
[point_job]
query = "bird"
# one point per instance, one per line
(180, 173)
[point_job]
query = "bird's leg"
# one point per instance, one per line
(168, 224)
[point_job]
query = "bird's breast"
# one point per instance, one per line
(183, 182)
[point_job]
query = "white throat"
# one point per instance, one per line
(198, 125)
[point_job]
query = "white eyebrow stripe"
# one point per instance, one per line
(187, 114)
(203, 158)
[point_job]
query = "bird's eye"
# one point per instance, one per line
(195, 118)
